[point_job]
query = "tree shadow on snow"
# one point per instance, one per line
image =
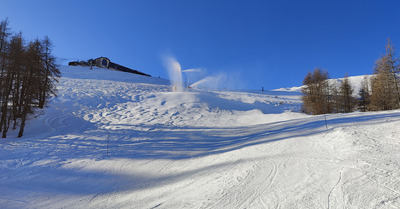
(153, 142)
(60, 180)
(169, 142)
(188, 142)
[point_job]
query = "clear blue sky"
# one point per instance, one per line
(270, 43)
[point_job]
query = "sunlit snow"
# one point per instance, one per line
(118, 140)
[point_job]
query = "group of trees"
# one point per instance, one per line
(384, 85)
(321, 96)
(379, 91)
(28, 74)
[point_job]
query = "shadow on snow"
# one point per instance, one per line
(160, 142)
(169, 142)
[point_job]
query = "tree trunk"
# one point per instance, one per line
(22, 126)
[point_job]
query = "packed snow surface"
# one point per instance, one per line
(118, 140)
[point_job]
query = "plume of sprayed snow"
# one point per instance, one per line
(199, 78)
(192, 70)
(220, 81)
(192, 75)
(209, 82)
(174, 72)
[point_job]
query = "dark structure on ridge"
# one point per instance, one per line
(104, 62)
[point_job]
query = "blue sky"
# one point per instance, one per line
(270, 43)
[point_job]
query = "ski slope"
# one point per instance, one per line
(117, 140)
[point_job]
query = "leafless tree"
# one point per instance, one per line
(316, 93)
(385, 87)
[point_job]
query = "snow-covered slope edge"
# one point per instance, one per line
(355, 81)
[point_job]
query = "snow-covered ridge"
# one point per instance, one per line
(355, 81)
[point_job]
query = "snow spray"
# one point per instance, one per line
(191, 75)
(175, 73)
(212, 82)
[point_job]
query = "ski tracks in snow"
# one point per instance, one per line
(253, 188)
(333, 188)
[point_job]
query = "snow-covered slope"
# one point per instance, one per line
(119, 140)
(355, 82)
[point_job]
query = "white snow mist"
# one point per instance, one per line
(175, 73)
